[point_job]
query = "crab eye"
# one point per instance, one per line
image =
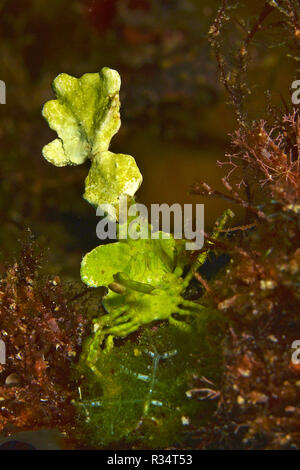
(117, 288)
(124, 280)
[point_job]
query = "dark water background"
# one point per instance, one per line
(175, 120)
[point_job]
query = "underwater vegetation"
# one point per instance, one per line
(259, 294)
(166, 347)
(259, 289)
(143, 393)
(144, 281)
(42, 332)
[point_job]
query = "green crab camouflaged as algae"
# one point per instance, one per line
(145, 284)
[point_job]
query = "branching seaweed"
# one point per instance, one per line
(143, 398)
(43, 336)
(259, 291)
(281, 16)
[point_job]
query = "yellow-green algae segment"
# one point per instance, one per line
(85, 116)
(134, 388)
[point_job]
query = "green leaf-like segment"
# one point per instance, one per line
(110, 176)
(143, 260)
(85, 116)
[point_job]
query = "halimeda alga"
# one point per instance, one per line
(132, 388)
